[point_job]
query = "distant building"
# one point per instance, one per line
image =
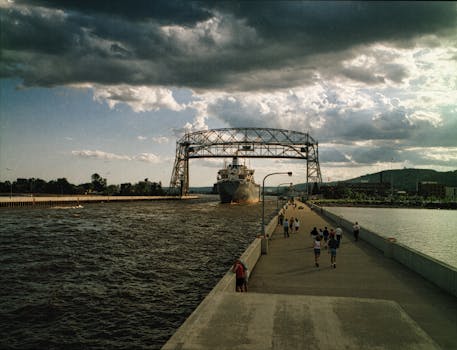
(431, 189)
(370, 188)
(451, 193)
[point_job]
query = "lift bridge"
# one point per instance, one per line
(243, 143)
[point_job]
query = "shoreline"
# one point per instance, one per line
(395, 205)
(49, 201)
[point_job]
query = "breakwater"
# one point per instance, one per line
(292, 304)
(441, 274)
(14, 202)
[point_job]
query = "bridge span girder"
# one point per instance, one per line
(243, 143)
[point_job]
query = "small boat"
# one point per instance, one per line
(235, 184)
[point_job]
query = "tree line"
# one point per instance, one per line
(98, 185)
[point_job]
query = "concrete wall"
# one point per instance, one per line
(226, 285)
(250, 257)
(437, 272)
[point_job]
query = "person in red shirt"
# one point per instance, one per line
(240, 273)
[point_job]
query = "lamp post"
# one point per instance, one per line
(263, 197)
(11, 184)
(277, 192)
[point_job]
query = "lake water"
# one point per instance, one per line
(430, 231)
(114, 275)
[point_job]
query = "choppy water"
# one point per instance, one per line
(430, 231)
(115, 275)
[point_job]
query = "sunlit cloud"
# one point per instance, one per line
(160, 139)
(99, 155)
(138, 98)
(147, 157)
(142, 157)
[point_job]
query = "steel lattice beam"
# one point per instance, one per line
(244, 143)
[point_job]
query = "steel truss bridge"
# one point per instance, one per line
(243, 143)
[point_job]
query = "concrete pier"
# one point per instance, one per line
(369, 301)
(50, 201)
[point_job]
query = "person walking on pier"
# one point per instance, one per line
(356, 230)
(333, 245)
(317, 250)
(291, 224)
(286, 228)
(339, 235)
(240, 274)
(325, 232)
(296, 225)
(314, 234)
(281, 217)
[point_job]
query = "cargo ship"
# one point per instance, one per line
(235, 184)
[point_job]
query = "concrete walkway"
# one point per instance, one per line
(367, 302)
(362, 272)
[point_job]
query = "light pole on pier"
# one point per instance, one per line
(11, 184)
(277, 192)
(263, 197)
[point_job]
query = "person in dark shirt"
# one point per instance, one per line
(314, 233)
(325, 237)
(333, 245)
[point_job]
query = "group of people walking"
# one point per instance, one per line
(322, 239)
(326, 239)
(289, 225)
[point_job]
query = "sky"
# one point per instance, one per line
(108, 87)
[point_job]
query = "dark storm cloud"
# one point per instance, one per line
(163, 11)
(245, 47)
(370, 155)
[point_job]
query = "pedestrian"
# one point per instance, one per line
(281, 217)
(286, 228)
(246, 276)
(333, 245)
(240, 275)
(356, 230)
(296, 225)
(291, 225)
(339, 235)
(326, 233)
(314, 234)
(317, 250)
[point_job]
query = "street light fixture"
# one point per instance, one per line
(263, 197)
(11, 184)
(277, 192)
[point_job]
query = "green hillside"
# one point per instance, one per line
(403, 179)
(407, 179)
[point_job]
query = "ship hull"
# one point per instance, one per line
(238, 192)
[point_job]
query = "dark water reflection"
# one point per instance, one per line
(115, 275)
